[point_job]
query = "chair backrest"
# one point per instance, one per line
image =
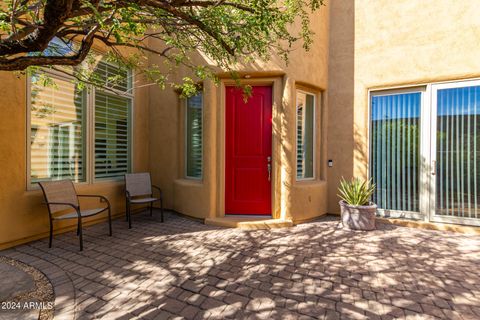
(59, 191)
(138, 184)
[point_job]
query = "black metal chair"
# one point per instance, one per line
(138, 190)
(61, 198)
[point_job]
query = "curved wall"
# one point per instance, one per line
(201, 199)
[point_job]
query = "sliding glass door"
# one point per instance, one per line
(425, 152)
(395, 151)
(456, 152)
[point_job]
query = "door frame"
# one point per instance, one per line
(276, 84)
(433, 89)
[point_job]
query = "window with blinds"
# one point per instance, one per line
(194, 137)
(112, 132)
(60, 127)
(113, 77)
(112, 123)
(305, 135)
(57, 131)
(457, 152)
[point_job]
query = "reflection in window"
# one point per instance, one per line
(57, 130)
(394, 151)
(194, 136)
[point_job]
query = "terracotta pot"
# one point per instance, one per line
(358, 217)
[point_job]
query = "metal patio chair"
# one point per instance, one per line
(138, 190)
(61, 197)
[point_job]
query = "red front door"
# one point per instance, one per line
(248, 151)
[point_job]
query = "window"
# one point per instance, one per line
(194, 136)
(57, 131)
(305, 135)
(112, 131)
(60, 127)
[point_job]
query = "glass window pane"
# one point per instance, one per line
(112, 135)
(394, 150)
(57, 130)
(458, 152)
(194, 135)
(112, 76)
(305, 135)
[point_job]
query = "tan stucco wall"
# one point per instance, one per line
(22, 215)
(382, 43)
(201, 199)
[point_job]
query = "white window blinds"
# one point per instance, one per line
(57, 130)
(194, 136)
(305, 135)
(394, 151)
(112, 123)
(79, 135)
(112, 132)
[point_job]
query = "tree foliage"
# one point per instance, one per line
(54, 33)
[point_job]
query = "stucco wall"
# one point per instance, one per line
(22, 215)
(201, 199)
(381, 44)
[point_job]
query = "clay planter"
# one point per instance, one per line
(358, 217)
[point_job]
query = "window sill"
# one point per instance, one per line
(189, 182)
(310, 183)
(119, 181)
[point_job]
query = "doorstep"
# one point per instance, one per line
(247, 222)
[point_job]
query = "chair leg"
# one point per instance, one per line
(129, 217)
(161, 208)
(51, 234)
(151, 209)
(109, 222)
(126, 209)
(80, 233)
(78, 228)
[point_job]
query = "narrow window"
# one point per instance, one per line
(305, 135)
(194, 136)
(57, 130)
(112, 125)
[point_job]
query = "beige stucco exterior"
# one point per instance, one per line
(22, 213)
(291, 199)
(387, 44)
(359, 46)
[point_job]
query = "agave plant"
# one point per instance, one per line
(356, 192)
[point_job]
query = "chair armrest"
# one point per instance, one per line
(95, 196)
(77, 209)
(62, 204)
(159, 190)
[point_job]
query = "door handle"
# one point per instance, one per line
(434, 167)
(269, 167)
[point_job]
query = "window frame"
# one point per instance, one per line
(185, 157)
(314, 142)
(89, 119)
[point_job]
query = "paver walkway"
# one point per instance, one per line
(184, 269)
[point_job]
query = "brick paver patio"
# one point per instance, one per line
(184, 269)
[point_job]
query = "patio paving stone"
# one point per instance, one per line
(183, 269)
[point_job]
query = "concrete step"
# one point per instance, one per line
(246, 222)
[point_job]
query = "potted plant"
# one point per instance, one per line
(358, 213)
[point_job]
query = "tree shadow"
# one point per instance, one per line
(319, 270)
